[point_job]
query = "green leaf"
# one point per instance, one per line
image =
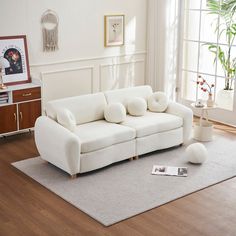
(226, 27)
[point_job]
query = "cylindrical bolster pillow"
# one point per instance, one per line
(115, 113)
(66, 119)
(137, 106)
(158, 102)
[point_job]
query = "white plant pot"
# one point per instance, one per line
(225, 99)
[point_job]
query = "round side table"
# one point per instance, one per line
(203, 130)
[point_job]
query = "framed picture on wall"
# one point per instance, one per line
(14, 50)
(114, 30)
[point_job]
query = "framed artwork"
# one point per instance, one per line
(14, 49)
(114, 30)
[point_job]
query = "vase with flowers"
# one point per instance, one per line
(206, 88)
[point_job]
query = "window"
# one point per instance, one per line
(199, 29)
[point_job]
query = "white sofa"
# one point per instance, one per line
(96, 143)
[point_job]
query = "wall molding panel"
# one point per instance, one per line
(114, 75)
(88, 59)
(90, 75)
(67, 82)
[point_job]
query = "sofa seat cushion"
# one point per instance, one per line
(101, 134)
(152, 123)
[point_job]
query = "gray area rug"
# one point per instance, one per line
(126, 189)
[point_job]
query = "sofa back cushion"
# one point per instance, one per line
(85, 108)
(125, 94)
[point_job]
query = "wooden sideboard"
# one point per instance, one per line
(20, 106)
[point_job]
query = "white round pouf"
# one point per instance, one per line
(196, 153)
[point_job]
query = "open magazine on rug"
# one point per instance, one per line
(170, 170)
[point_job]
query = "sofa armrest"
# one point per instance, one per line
(185, 113)
(57, 145)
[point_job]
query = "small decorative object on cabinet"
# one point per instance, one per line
(4, 63)
(20, 106)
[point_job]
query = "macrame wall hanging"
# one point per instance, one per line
(49, 23)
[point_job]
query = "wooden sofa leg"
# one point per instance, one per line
(131, 159)
(136, 158)
(73, 176)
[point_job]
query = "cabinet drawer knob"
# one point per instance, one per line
(26, 94)
(21, 116)
(15, 116)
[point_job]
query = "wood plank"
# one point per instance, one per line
(8, 118)
(28, 113)
(26, 94)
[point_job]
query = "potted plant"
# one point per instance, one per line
(226, 10)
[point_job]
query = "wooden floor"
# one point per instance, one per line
(27, 208)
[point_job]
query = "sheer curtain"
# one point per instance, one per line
(162, 45)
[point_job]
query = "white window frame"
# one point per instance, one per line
(218, 113)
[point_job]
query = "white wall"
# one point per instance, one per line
(82, 64)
